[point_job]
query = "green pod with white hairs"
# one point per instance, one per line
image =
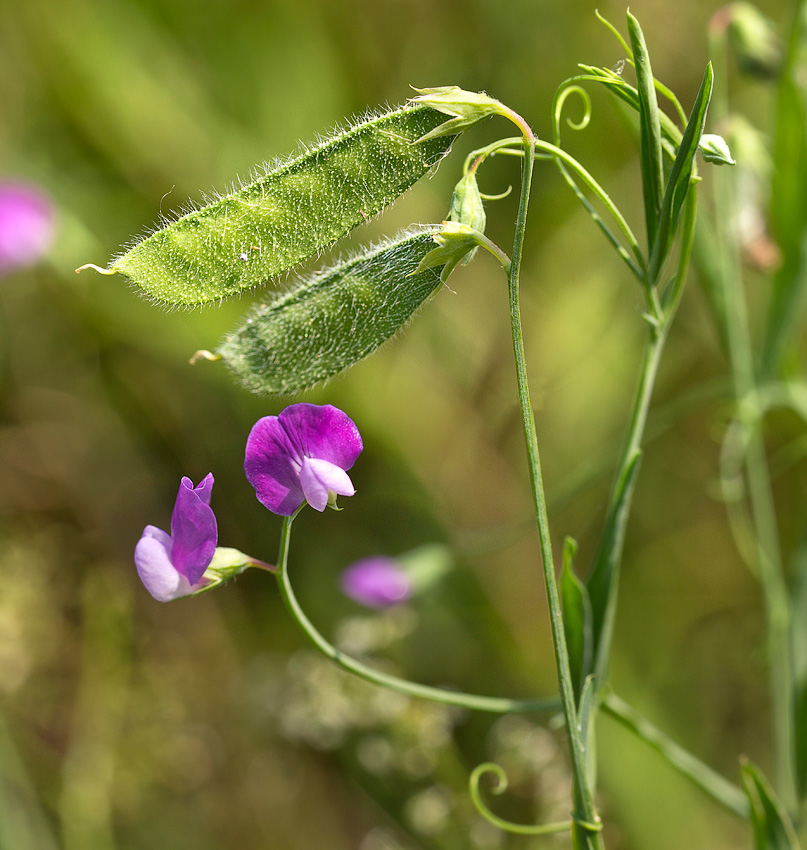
(288, 213)
(333, 319)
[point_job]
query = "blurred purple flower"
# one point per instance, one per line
(376, 582)
(173, 565)
(301, 456)
(26, 225)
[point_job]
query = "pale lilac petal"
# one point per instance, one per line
(26, 225)
(317, 477)
(376, 582)
(153, 561)
(193, 529)
(322, 431)
(272, 466)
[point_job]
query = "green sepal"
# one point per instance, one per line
(715, 150)
(426, 566)
(772, 827)
(466, 108)
(577, 618)
(334, 318)
(226, 565)
(456, 242)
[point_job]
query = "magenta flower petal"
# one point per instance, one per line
(272, 467)
(301, 455)
(377, 582)
(173, 565)
(26, 225)
(323, 432)
(193, 529)
(153, 561)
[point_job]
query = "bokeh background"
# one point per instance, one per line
(209, 723)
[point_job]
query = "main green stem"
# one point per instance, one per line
(584, 801)
(651, 357)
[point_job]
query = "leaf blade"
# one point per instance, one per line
(681, 174)
(772, 827)
(650, 131)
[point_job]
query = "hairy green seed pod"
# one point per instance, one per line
(289, 213)
(333, 319)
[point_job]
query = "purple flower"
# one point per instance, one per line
(26, 225)
(173, 565)
(301, 456)
(376, 582)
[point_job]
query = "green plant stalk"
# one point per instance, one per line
(659, 322)
(611, 550)
(475, 702)
(749, 416)
(586, 812)
(717, 787)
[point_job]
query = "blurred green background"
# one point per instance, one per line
(208, 723)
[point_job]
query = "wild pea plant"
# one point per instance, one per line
(330, 320)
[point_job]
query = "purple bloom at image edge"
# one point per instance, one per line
(301, 455)
(26, 225)
(173, 565)
(377, 582)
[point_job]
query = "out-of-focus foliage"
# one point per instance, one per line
(128, 725)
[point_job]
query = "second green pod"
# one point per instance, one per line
(330, 321)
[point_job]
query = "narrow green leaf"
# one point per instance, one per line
(289, 213)
(704, 778)
(650, 132)
(586, 717)
(603, 582)
(576, 618)
(681, 175)
(773, 829)
(333, 319)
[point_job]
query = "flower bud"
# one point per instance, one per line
(715, 150)
(26, 225)
(752, 37)
(376, 582)
(466, 203)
